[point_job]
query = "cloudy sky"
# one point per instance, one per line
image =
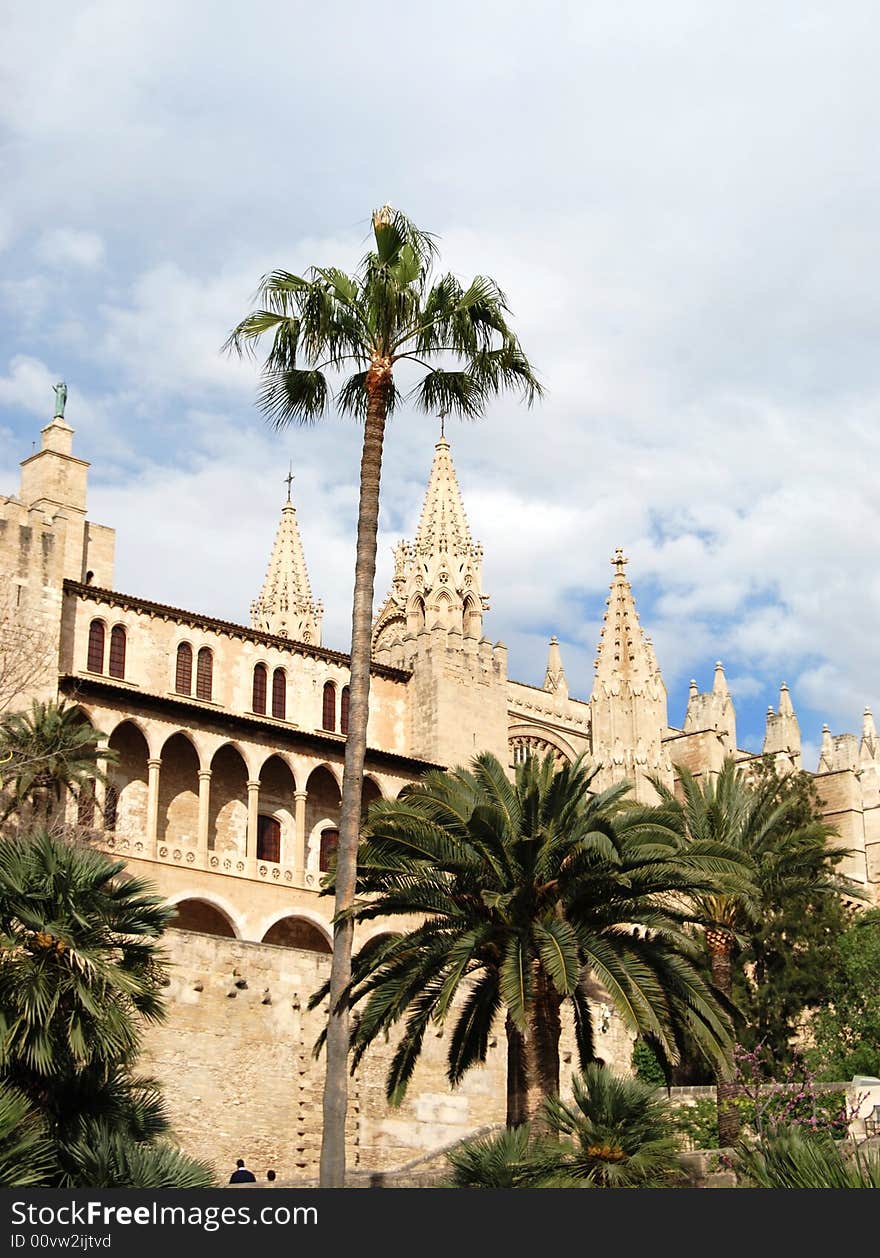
(682, 203)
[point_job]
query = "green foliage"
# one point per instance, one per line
(80, 975)
(510, 1159)
(697, 1121)
(522, 887)
(621, 1132)
(846, 1031)
(646, 1066)
(790, 1158)
(45, 753)
(26, 1153)
(393, 311)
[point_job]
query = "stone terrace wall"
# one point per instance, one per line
(235, 1060)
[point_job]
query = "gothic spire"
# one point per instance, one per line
(554, 679)
(437, 581)
(285, 605)
(623, 652)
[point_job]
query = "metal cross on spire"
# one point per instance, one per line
(289, 478)
(619, 560)
(442, 417)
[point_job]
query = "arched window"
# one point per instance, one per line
(268, 839)
(204, 673)
(343, 711)
(95, 663)
(329, 844)
(117, 651)
(111, 807)
(328, 720)
(85, 804)
(279, 694)
(183, 676)
(259, 699)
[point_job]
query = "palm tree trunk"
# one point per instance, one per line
(336, 1076)
(726, 1090)
(541, 1048)
(516, 1075)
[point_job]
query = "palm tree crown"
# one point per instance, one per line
(46, 752)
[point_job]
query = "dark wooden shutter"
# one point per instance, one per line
(111, 807)
(95, 662)
(259, 692)
(279, 694)
(204, 674)
(329, 715)
(268, 839)
(183, 677)
(329, 844)
(117, 651)
(343, 711)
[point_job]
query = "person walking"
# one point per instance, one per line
(241, 1174)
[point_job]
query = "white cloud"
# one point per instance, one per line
(69, 246)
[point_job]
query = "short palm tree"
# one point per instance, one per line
(46, 753)
(522, 889)
(791, 1158)
(511, 1158)
(392, 317)
(80, 966)
(26, 1153)
(782, 861)
(620, 1130)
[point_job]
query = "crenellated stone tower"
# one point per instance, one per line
(285, 605)
(432, 622)
(628, 704)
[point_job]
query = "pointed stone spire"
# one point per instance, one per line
(713, 710)
(554, 679)
(869, 751)
(826, 752)
(628, 703)
(719, 683)
(285, 605)
(782, 736)
(437, 582)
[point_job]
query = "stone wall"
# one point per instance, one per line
(235, 1060)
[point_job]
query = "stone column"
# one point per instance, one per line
(253, 789)
(153, 766)
(204, 810)
(299, 841)
(100, 789)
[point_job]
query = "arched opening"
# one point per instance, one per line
(199, 915)
(261, 675)
(472, 618)
(276, 824)
(125, 807)
(179, 792)
(415, 615)
(369, 794)
(322, 812)
(297, 932)
(227, 816)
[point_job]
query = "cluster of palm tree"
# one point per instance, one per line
(527, 891)
(81, 975)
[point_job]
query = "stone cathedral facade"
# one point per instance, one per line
(225, 787)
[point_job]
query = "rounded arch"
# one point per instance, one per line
(472, 617)
(335, 771)
(181, 659)
(523, 740)
(95, 646)
(179, 733)
(281, 927)
(286, 759)
(328, 706)
(126, 790)
(142, 728)
(228, 811)
(204, 913)
(178, 820)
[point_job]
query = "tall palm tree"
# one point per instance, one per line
(784, 860)
(393, 316)
(522, 889)
(46, 753)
